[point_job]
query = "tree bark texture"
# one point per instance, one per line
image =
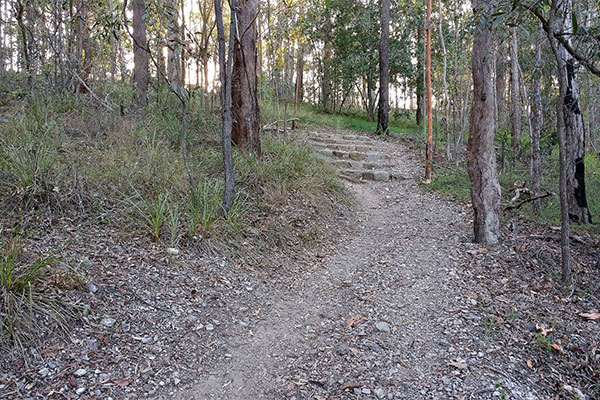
(536, 124)
(140, 53)
(429, 143)
(246, 122)
(515, 94)
(481, 154)
(384, 70)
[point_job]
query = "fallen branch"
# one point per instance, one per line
(519, 205)
(94, 95)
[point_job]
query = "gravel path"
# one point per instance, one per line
(384, 316)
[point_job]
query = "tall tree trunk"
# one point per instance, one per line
(326, 81)
(140, 54)
(445, 83)
(246, 122)
(384, 70)
(573, 117)
(562, 119)
(481, 154)
(429, 143)
(536, 124)
(19, 10)
(174, 48)
(501, 86)
(226, 114)
(183, 45)
(515, 94)
(86, 54)
(420, 76)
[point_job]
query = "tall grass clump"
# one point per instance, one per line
(29, 304)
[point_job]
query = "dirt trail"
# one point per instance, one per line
(400, 270)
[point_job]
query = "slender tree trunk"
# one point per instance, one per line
(420, 76)
(481, 154)
(501, 86)
(140, 53)
(226, 114)
(384, 70)
(246, 122)
(173, 63)
(183, 46)
(536, 124)
(445, 83)
(429, 143)
(515, 94)
(86, 54)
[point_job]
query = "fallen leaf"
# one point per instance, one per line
(355, 320)
(123, 382)
(458, 365)
(351, 386)
(557, 346)
(255, 313)
(530, 364)
(590, 316)
(73, 381)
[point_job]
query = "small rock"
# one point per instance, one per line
(92, 287)
(108, 322)
(103, 377)
(376, 348)
(343, 350)
(210, 327)
(173, 251)
(44, 372)
(380, 393)
(176, 381)
(80, 390)
(382, 326)
(147, 340)
(366, 391)
(80, 372)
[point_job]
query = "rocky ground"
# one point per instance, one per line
(399, 305)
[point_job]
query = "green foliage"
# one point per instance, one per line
(26, 304)
(203, 205)
(151, 212)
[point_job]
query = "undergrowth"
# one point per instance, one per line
(62, 154)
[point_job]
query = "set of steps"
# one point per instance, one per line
(355, 157)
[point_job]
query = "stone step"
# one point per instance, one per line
(342, 136)
(356, 156)
(341, 140)
(360, 174)
(349, 164)
(343, 147)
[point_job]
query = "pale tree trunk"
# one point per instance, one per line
(326, 84)
(384, 70)
(536, 124)
(173, 63)
(481, 154)
(299, 85)
(226, 115)
(429, 143)
(515, 94)
(246, 122)
(140, 53)
(183, 46)
(445, 83)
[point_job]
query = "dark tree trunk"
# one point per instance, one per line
(246, 122)
(481, 154)
(562, 109)
(226, 115)
(420, 76)
(536, 124)
(384, 70)
(140, 53)
(515, 94)
(174, 47)
(326, 81)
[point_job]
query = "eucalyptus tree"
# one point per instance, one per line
(481, 153)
